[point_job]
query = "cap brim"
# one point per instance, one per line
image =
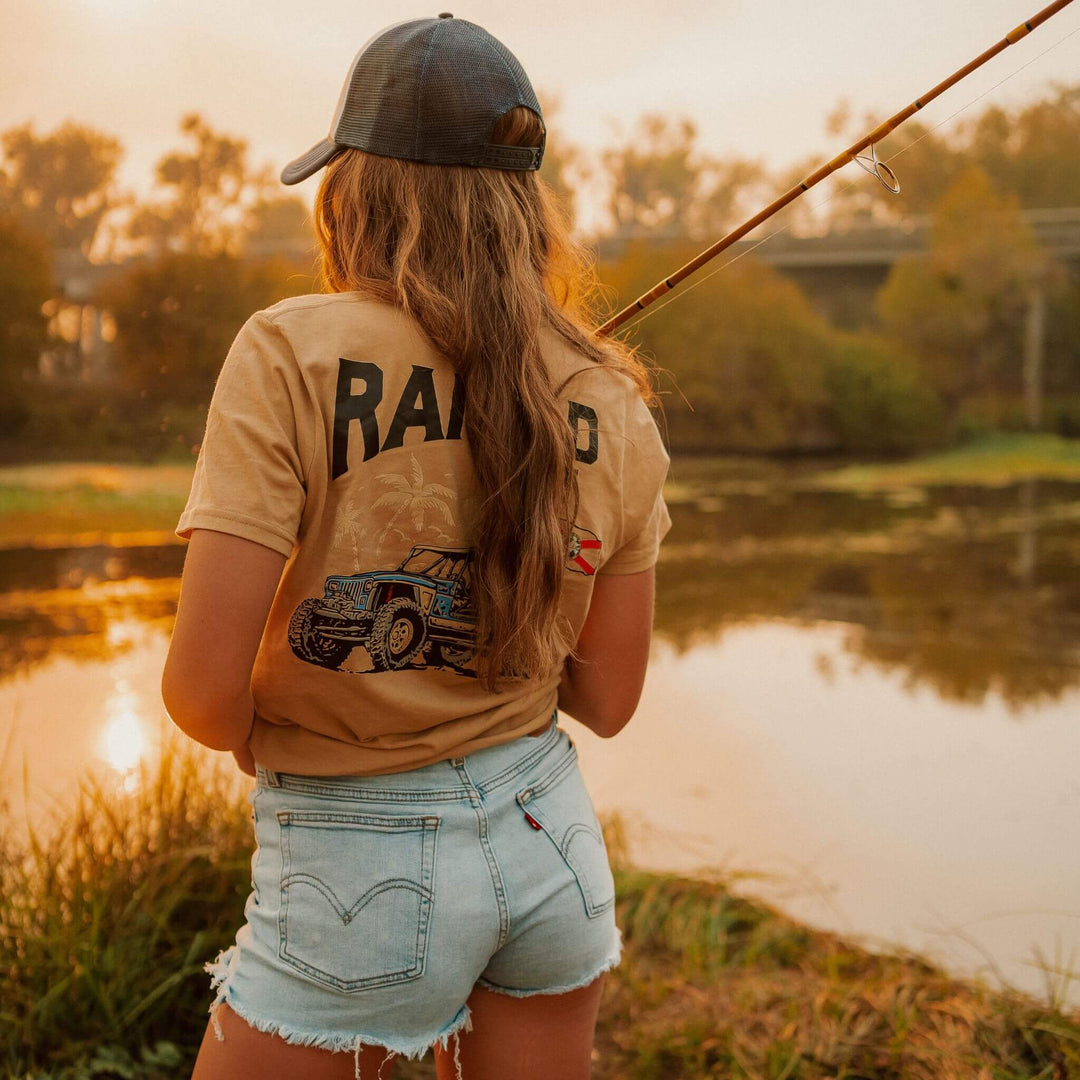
(307, 164)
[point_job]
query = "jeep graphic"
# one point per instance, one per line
(419, 611)
(419, 614)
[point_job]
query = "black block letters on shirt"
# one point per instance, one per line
(579, 412)
(417, 407)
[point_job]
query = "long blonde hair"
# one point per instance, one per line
(482, 259)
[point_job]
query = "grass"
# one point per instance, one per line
(105, 931)
(992, 460)
(105, 925)
(43, 505)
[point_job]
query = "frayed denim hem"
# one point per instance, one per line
(610, 962)
(219, 971)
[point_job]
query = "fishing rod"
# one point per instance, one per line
(853, 153)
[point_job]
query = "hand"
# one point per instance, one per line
(245, 759)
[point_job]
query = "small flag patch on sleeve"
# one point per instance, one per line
(584, 548)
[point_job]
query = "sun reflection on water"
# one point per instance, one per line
(123, 742)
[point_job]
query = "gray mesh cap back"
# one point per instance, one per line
(428, 90)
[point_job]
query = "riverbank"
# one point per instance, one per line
(106, 932)
(992, 461)
(75, 503)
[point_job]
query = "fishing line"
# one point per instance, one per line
(656, 308)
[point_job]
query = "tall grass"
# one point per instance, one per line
(104, 930)
(105, 926)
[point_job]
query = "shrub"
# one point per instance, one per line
(878, 401)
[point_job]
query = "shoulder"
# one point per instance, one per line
(297, 307)
(573, 372)
(316, 324)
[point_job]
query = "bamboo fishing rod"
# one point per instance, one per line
(852, 153)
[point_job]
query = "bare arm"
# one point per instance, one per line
(602, 690)
(226, 591)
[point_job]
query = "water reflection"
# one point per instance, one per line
(124, 742)
(949, 592)
(853, 801)
(81, 713)
(72, 567)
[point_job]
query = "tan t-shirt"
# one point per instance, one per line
(335, 437)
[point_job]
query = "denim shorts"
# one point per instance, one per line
(378, 902)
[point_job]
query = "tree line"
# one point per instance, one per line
(745, 362)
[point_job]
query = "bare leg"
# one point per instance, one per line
(245, 1052)
(532, 1038)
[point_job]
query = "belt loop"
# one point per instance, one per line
(266, 776)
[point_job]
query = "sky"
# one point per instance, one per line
(758, 77)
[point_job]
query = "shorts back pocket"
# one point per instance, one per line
(560, 805)
(356, 896)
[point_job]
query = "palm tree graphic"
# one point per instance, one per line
(349, 524)
(412, 495)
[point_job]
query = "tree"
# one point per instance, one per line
(209, 191)
(25, 286)
(176, 316)
(745, 348)
(62, 185)
(563, 168)
(733, 190)
(800, 215)
(960, 307)
(279, 224)
(1036, 154)
(661, 183)
(879, 400)
(654, 176)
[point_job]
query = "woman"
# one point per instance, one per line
(424, 519)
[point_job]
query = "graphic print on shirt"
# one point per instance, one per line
(584, 547)
(355, 526)
(350, 524)
(419, 614)
(410, 495)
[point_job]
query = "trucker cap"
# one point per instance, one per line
(428, 90)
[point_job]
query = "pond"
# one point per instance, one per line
(863, 707)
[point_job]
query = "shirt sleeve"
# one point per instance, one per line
(249, 478)
(646, 520)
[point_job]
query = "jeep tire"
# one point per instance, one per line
(398, 634)
(309, 644)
